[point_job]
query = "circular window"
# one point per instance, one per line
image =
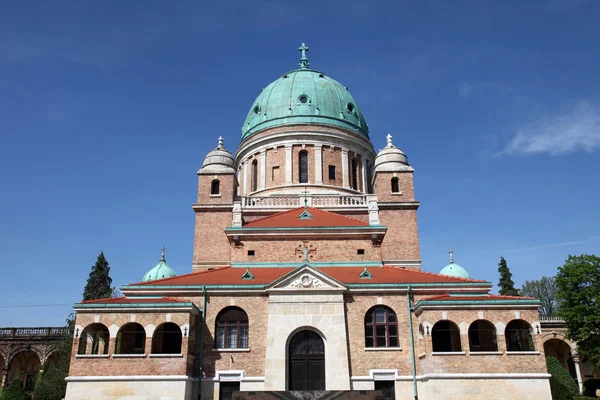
(303, 99)
(350, 107)
(256, 109)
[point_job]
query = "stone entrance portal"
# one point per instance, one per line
(306, 363)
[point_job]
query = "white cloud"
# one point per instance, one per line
(559, 244)
(563, 5)
(574, 128)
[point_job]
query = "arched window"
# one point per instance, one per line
(368, 185)
(131, 339)
(518, 336)
(303, 166)
(167, 339)
(381, 327)
(215, 187)
(93, 339)
(445, 337)
(482, 336)
(254, 176)
(354, 176)
(232, 329)
(395, 185)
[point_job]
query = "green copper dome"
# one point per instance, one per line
(161, 271)
(305, 96)
(454, 269)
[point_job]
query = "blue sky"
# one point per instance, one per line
(108, 109)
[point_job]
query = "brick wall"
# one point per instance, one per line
(401, 241)
(281, 250)
(211, 246)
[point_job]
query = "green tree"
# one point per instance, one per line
(562, 386)
(578, 291)
(14, 391)
(506, 284)
(98, 284)
(543, 289)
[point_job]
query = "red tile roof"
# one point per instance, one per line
(264, 276)
(320, 218)
(129, 300)
(444, 297)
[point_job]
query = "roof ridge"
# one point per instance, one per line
(435, 274)
(205, 271)
(106, 299)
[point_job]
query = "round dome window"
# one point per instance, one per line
(303, 99)
(256, 109)
(350, 107)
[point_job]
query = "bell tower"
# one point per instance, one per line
(393, 184)
(217, 186)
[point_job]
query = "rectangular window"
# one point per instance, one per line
(332, 172)
(250, 253)
(275, 173)
(360, 252)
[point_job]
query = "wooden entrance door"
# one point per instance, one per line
(306, 362)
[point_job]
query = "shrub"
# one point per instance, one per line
(14, 391)
(561, 384)
(51, 385)
(590, 386)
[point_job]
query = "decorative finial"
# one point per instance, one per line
(220, 142)
(162, 257)
(451, 256)
(303, 61)
(389, 140)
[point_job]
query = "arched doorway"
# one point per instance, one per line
(306, 362)
(26, 366)
(562, 352)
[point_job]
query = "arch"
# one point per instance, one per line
(562, 351)
(445, 337)
(94, 339)
(131, 339)
(231, 329)
(167, 339)
(2, 366)
(215, 187)
(518, 336)
(303, 166)
(354, 175)
(395, 185)
(306, 361)
(254, 177)
(24, 365)
(381, 327)
(482, 336)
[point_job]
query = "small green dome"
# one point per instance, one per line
(304, 96)
(455, 270)
(161, 271)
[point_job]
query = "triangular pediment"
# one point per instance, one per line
(306, 278)
(305, 218)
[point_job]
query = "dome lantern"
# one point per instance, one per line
(219, 160)
(390, 158)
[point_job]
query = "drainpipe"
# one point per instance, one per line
(202, 342)
(412, 346)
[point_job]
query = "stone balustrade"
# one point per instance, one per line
(312, 200)
(34, 331)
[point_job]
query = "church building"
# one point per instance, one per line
(307, 275)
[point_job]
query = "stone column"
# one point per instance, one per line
(365, 185)
(288, 164)
(345, 179)
(578, 372)
(4, 376)
(318, 164)
(263, 169)
(245, 183)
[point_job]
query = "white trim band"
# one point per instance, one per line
(132, 378)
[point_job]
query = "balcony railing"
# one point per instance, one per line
(314, 200)
(549, 318)
(42, 331)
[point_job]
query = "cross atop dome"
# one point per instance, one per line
(303, 61)
(451, 256)
(162, 257)
(389, 140)
(220, 145)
